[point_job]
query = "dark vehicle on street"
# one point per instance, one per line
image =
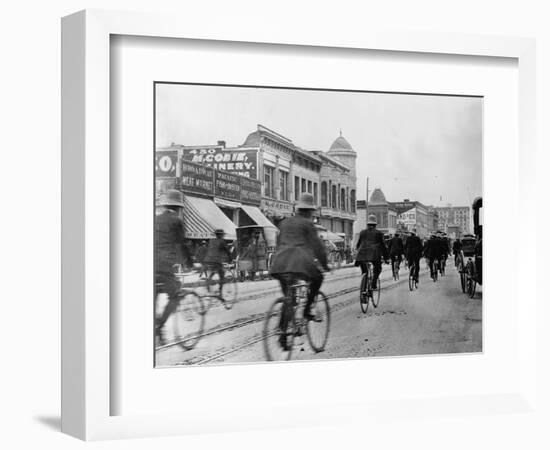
(473, 270)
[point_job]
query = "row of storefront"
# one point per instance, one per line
(260, 181)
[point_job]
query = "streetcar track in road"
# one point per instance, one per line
(198, 360)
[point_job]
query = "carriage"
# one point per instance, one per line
(255, 248)
(470, 262)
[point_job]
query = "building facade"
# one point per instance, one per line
(338, 189)
(413, 215)
(284, 172)
(454, 216)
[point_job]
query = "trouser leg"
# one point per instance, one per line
(314, 287)
(286, 313)
(377, 269)
(171, 287)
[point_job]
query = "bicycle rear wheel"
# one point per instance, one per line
(376, 294)
(188, 320)
(363, 297)
(272, 332)
(411, 278)
(317, 330)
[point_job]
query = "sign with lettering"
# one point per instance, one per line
(165, 163)
(251, 191)
(277, 207)
(236, 161)
(227, 185)
(196, 178)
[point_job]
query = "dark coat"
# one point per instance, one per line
(371, 246)
(413, 247)
(201, 253)
(218, 252)
(432, 248)
(169, 242)
(298, 245)
(396, 246)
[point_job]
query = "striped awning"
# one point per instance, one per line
(202, 217)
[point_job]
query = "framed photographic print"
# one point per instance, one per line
(251, 214)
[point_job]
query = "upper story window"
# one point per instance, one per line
(269, 181)
(324, 194)
(283, 185)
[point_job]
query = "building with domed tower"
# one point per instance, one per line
(338, 188)
(385, 212)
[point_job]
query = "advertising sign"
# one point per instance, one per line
(237, 161)
(196, 178)
(227, 185)
(251, 191)
(165, 163)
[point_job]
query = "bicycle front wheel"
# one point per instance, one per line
(188, 320)
(318, 329)
(272, 333)
(376, 294)
(363, 293)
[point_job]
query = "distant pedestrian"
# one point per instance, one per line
(200, 256)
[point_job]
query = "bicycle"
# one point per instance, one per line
(366, 292)
(187, 320)
(413, 283)
(395, 267)
(317, 330)
(229, 295)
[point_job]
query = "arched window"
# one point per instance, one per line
(324, 194)
(343, 199)
(334, 203)
(352, 200)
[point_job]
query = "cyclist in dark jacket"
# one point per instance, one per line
(371, 248)
(298, 247)
(413, 252)
(218, 252)
(170, 249)
(396, 249)
(432, 251)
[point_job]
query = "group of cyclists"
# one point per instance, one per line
(300, 254)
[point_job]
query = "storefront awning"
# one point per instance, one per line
(202, 217)
(256, 215)
(330, 236)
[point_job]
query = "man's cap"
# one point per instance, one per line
(306, 201)
(171, 197)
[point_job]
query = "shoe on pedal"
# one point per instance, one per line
(309, 316)
(283, 342)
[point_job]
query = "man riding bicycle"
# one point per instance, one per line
(371, 248)
(298, 248)
(170, 249)
(432, 252)
(396, 249)
(413, 253)
(218, 252)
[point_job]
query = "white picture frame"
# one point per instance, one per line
(86, 216)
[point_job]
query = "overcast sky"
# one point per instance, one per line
(421, 147)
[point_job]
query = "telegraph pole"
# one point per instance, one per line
(367, 203)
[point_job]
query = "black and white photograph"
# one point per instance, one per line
(307, 224)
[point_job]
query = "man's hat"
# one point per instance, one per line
(171, 197)
(306, 202)
(372, 220)
(219, 231)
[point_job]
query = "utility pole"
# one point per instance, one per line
(367, 203)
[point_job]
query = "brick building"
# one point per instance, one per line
(456, 217)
